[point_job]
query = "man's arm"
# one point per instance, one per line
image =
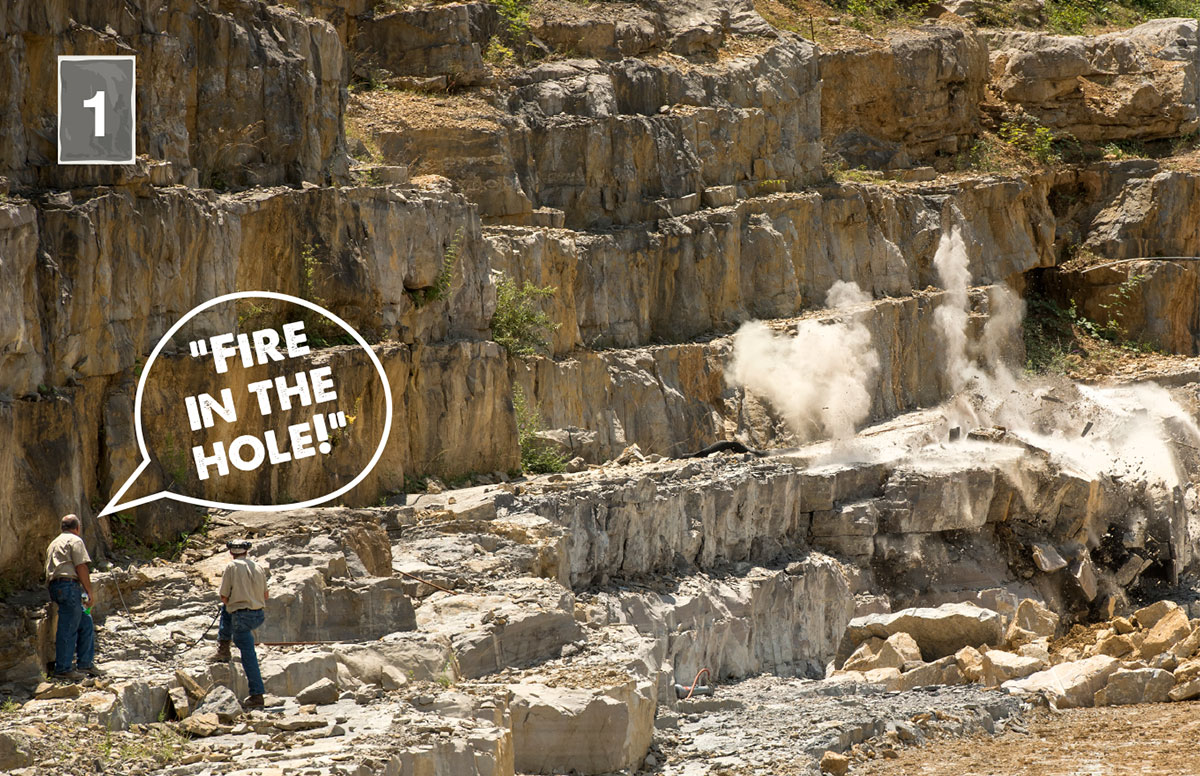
(85, 579)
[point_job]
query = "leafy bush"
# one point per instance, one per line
(537, 456)
(518, 325)
(1027, 136)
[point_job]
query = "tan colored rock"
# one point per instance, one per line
(1186, 691)
(1143, 685)
(201, 725)
(1068, 685)
(970, 663)
(53, 690)
(835, 764)
(1148, 616)
(1123, 625)
(1187, 671)
(1186, 647)
(1035, 618)
(1136, 83)
(1115, 645)
(911, 99)
(939, 631)
(897, 650)
(588, 730)
(180, 702)
(863, 658)
(1172, 628)
(1039, 648)
(999, 667)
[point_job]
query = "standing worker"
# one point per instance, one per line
(71, 588)
(243, 596)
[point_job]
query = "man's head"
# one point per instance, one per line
(238, 547)
(70, 524)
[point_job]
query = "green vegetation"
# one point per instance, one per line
(1062, 340)
(537, 456)
(518, 325)
(162, 744)
(445, 278)
(1028, 136)
(9, 706)
(1072, 17)
(515, 14)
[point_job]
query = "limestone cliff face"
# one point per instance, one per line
(92, 284)
(235, 94)
(769, 257)
(662, 170)
(1140, 83)
(914, 100)
(616, 142)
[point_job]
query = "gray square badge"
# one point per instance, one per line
(96, 107)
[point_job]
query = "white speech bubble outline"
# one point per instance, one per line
(115, 505)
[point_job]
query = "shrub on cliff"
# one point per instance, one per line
(519, 325)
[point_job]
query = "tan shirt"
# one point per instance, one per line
(63, 555)
(244, 584)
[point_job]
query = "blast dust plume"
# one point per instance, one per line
(820, 380)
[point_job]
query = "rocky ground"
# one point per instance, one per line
(1113, 741)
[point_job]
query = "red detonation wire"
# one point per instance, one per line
(696, 681)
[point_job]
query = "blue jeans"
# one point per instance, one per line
(76, 636)
(239, 628)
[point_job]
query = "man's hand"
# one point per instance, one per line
(85, 579)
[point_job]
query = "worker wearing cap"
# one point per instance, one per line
(243, 596)
(71, 588)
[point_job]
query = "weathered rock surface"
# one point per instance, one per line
(273, 117)
(564, 728)
(1000, 666)
(1140, 685)
(1138, 83)
(1068, 685)
(914, 100)
(939, 632)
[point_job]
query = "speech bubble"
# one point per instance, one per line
(319, 387)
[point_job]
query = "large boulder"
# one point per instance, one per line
(1140, 685)
(584, 730)
(1000, 666)
(1173, 628)
(1068, 685)
(1148, 616)
(892, 652)
(937, 631)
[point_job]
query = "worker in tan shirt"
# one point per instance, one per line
(243, 596)
(71, 588)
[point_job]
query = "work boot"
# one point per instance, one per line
(222, 654)
(69, 676)
(92, 671)
(253, 702)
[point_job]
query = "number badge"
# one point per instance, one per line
(96, 110)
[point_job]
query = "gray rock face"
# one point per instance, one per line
(272, 119)
(222, 702)
(939, 632)
(1139, 83)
